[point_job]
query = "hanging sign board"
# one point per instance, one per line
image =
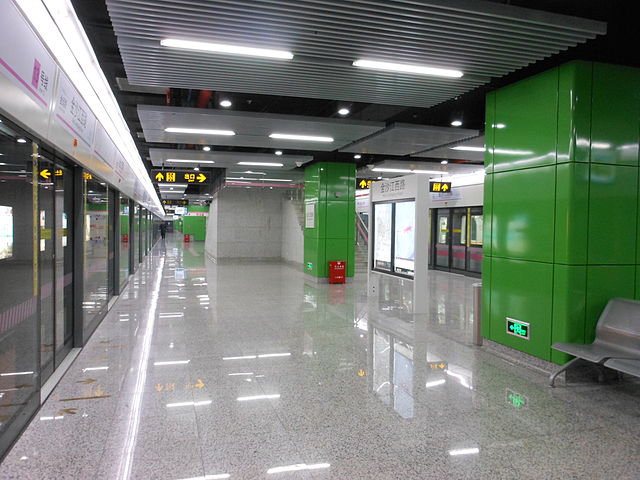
(363, 183)
(179, 176)
(180, 203)
(440, 187)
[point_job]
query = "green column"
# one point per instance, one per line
(561, 203)
(195, 225)
(329, 196)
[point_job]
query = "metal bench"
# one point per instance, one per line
(617, 338)
(624, 365)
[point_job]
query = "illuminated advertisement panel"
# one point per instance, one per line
(404, 237)
(383, 233)
(6, 232)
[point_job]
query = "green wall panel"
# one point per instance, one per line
(331, 187)
(489, 126)
(569, 303)
(527, 112)
(522, 290)
(522, 219)
(574, 112)
(605, 282)
(572, 214)
(616, 91)
(613, 200)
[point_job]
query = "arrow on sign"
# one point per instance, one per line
(45, 173)
(363, 184)
(87, 381)
(201, 177)
(159, 176)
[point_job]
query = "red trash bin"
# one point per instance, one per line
(187, 238)
(337, 271)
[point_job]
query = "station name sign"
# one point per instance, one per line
(177, 203)
(440, 187)
(179, 176)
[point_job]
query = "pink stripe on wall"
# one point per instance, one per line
(23, 82)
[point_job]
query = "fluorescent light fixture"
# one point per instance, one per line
(206, 148)
(175, 362)
(200, 131)
(405, 170)
(228, 49)
(173, 185)
(275, 180)
(258, 397)
(249, 172)
(270, 355)
(189, 404)
(261, 164)
(404, 68)
(171, 315)
(225, 103)
(357, 156)
(13, 374)
(456, 123)
(278, 152)
(464, 451)
(435, 383)
(444, 162)
(299, 466)
(344, 111)
(244, 357)
(305, 138)
(468, 149)
(21, 140)
(91, 369)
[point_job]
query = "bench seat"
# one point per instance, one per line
(625, 365)
(596, 352)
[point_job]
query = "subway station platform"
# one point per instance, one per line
(202, 371)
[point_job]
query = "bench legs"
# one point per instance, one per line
(552, 377)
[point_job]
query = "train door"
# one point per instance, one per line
(441, 237)
(458, 238)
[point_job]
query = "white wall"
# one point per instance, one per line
(292, 230)
(247, 225)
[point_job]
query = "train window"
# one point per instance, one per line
(463, 231)
(443, 229)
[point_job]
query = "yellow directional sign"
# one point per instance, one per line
(87, 176)
(440, 187)
(179, 176)
(58, 172)
(45, 173)
(363, 183)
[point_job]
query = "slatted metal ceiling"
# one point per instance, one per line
(447, 151)
(159, 157)
(482, 39)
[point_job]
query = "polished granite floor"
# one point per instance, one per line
(204, 371)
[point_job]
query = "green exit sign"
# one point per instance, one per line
(309, 266)
(518, 328)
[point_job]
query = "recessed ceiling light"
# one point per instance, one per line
(206, 148)
(456, 123)
(357, 156)
(278, 152)
(21, 140)
(230, 49)
(200, 131)
(468, 149)
(178, 160)
(307, 138)
(261, 164)
(225, 103)
(404, 68)
(444, 162)
(344, 111)
(197, 169)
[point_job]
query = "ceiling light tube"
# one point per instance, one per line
(468, 149)
(223, 48)
(261, 164)
(175, 362)
(305, 138)
(404, 68)
(200, 131)
(405, 170)
(178, 160)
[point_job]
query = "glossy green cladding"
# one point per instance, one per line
(330, 189)
(561, 203)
